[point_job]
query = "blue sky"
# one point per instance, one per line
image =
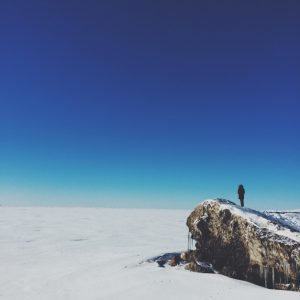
(149, 103)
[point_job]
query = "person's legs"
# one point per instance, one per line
(242, 202)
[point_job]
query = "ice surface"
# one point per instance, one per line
(95, 253)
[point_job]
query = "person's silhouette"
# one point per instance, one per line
(241, 192)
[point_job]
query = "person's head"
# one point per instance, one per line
(241, 186)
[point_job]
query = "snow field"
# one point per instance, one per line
(96, 253)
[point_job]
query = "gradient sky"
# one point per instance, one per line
(149, 103)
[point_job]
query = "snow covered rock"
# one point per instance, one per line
(263, 248)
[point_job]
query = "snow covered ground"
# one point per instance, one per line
(96, 253)
(292, 218)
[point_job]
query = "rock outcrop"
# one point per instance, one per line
(245, 244)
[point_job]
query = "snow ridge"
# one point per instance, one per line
(284, 226)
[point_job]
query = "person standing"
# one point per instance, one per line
(241, 192)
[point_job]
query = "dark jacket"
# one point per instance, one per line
(241, 192)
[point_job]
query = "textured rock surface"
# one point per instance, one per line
(246, 244)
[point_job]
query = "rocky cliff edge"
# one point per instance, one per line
(260, 247)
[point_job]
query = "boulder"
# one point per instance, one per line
(245, 244)
(172, 259)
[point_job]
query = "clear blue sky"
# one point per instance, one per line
(149, 103)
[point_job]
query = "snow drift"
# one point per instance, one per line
(263, 248)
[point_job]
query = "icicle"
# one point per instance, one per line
(298, 274)
(189, 241)
(280, 278)
(286, 272)
(266, 276)
(273, 278)
(261, 272)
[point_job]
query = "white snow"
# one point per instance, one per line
(284, 225)
(95, 253)
(292, 218)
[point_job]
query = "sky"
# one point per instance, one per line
(155, 104)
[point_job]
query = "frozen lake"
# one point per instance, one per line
(96, 253)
